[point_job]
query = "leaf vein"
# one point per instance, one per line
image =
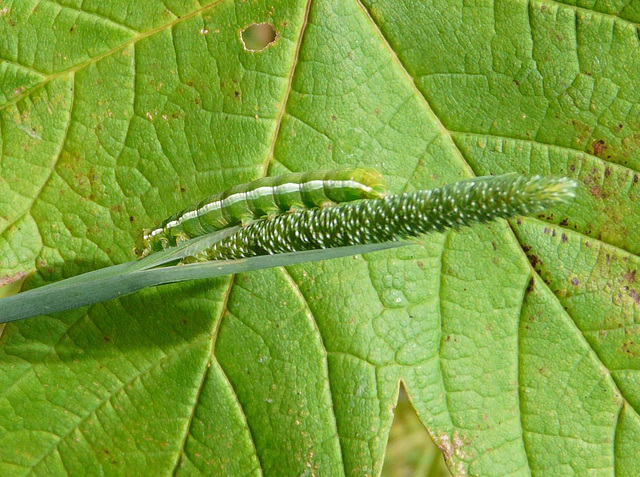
(542, 144)
(520, 372)
(63, 141)
(107, 400)
(287, 92)
(312, 320)
(414, 86)
(208, 363)
(95, 15)
(110, 52)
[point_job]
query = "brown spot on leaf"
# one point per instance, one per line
(7, 279)
(575, 282)
(444, 443)
(534, 260)
(598, 147)
(630, 276)
(627, 348)
(531, 285)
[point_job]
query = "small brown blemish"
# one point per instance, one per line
(258, 37)
(444, 443)
(531, 286)
(598, 147)
(564, 222)
(575, 282)
(630, 276)
(627, 348)
(535, 261)
(131, 218)
(6, 280)
(564, 238)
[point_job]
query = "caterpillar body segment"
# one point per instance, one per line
(269, 196)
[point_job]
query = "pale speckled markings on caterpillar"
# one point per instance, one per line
(261, 198)
(396, 217)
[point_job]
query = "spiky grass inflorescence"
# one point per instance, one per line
(397, 217)
(262, 198)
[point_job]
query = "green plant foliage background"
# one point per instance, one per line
(517, 343)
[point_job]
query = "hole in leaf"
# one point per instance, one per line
(258, 36)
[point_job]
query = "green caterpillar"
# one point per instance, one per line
(261, 198)
(396, 217)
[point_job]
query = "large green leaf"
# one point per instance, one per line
(115, 114)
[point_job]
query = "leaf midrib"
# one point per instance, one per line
(214, 335)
